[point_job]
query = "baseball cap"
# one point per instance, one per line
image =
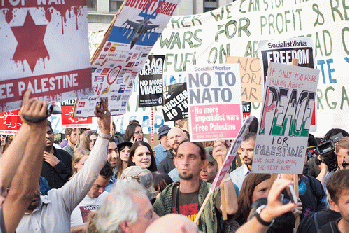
(143, 176)
(163, 130)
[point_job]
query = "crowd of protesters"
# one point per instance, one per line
(102, 182)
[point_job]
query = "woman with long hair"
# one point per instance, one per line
(254, 187)
(133, 132)
(124, 149)
(142, 155)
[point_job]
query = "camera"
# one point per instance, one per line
(326, 149)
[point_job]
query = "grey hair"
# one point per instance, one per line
(119, 207)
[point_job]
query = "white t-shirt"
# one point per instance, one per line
(87, 205)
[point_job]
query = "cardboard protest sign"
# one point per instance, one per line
(176, 102)
(10, 122)
(214, 102)
(233, 150)
(45, 48)
(288, 103)
(125, 48)
(284, 52)
(67, 116)
(150, 82)
(236, 29)
(251, 83)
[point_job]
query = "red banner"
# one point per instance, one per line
(69, 121)
(10, 122)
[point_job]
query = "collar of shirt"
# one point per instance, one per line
(44, 200)
(246, 171)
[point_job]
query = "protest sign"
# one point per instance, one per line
(45, 48)
(214, 102)
(246, 109)
(288, 103)
(125, 48)
(285, 51)
(67, 116)
(237, 28)
(233, 150)
(150, 82)
(10, 122)
(250, 73)
(176, 102)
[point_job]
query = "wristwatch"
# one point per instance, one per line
(260, 220)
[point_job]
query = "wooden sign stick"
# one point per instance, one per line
(223, 200)
(295, 176)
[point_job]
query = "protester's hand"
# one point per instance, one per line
(220, 150)
(323, 167)
(33, 111)
(298, 210)
(103, 116)
(275, 207)
(50, 159)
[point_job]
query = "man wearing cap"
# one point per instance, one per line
(162, 149)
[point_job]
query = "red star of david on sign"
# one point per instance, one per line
(31, 46)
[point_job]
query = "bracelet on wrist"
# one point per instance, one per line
(105, 136)
(260, 220)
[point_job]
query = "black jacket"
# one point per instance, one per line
(167, 163)
(57, 176)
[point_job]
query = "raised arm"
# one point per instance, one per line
(273, 209)
(25, 182)
(8, 162)
(77, 188)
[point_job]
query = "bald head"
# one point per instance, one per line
(174, 137)
(173, 223)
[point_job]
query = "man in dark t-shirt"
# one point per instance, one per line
(188, 195)
(314, 221)
(338, 188)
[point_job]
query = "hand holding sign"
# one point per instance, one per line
(103, 116)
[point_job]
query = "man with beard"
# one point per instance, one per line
(52, 212)
(247, 147)
(57, 166)
(187, 196)
(174, 137)
(72, 135)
